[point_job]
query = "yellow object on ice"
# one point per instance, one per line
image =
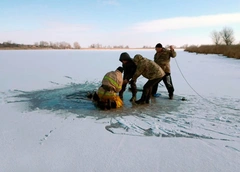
(109, 95)
(118, 101)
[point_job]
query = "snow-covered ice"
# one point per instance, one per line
(43, 129)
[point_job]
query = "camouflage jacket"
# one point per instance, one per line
(163, 59)
(113, 80)
(147, 68)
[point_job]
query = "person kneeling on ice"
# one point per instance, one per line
(150, 70)
(106, 96)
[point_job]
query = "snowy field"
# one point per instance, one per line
(42, 128)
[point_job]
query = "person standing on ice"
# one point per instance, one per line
(129, 68)
(162, 58)
(150, 70)
(106, 96)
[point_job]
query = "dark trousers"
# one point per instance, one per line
(133, 89)
(167, 82)
(147, 89)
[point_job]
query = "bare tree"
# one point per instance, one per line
(64, 45)
(184, 46)
(51, 44)
(96, 46)
(7, 43)
(43, 44)
(216, 37)
(227, 35)
(76, 45)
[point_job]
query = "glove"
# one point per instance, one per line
(125, 81)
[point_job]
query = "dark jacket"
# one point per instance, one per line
(129, 68)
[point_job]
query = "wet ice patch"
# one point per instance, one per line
(56, 99)
(217, 118)
(194, 118)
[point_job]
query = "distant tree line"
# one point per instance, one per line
(101, 46)
(58, 45)
(40, 45)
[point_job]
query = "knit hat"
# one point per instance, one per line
(120, 69)
(158, 45)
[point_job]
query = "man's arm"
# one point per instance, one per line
(172, 52)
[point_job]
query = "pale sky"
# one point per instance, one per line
(133, 23)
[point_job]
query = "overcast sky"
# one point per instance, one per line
(135, 23)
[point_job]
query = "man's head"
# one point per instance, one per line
(124, 57)
(120, 69)
(138, 58)
(158, 47)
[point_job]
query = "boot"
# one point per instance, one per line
(171, 96)
(148, 97)
(140, 101)
(143, 98)
(133, 99)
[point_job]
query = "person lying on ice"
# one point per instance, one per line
(106, 96)
(150, 70)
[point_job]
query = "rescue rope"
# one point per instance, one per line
(196, 91)
(187, 81)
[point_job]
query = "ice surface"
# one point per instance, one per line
(44, 129)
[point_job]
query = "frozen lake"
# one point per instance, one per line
(39, 123)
